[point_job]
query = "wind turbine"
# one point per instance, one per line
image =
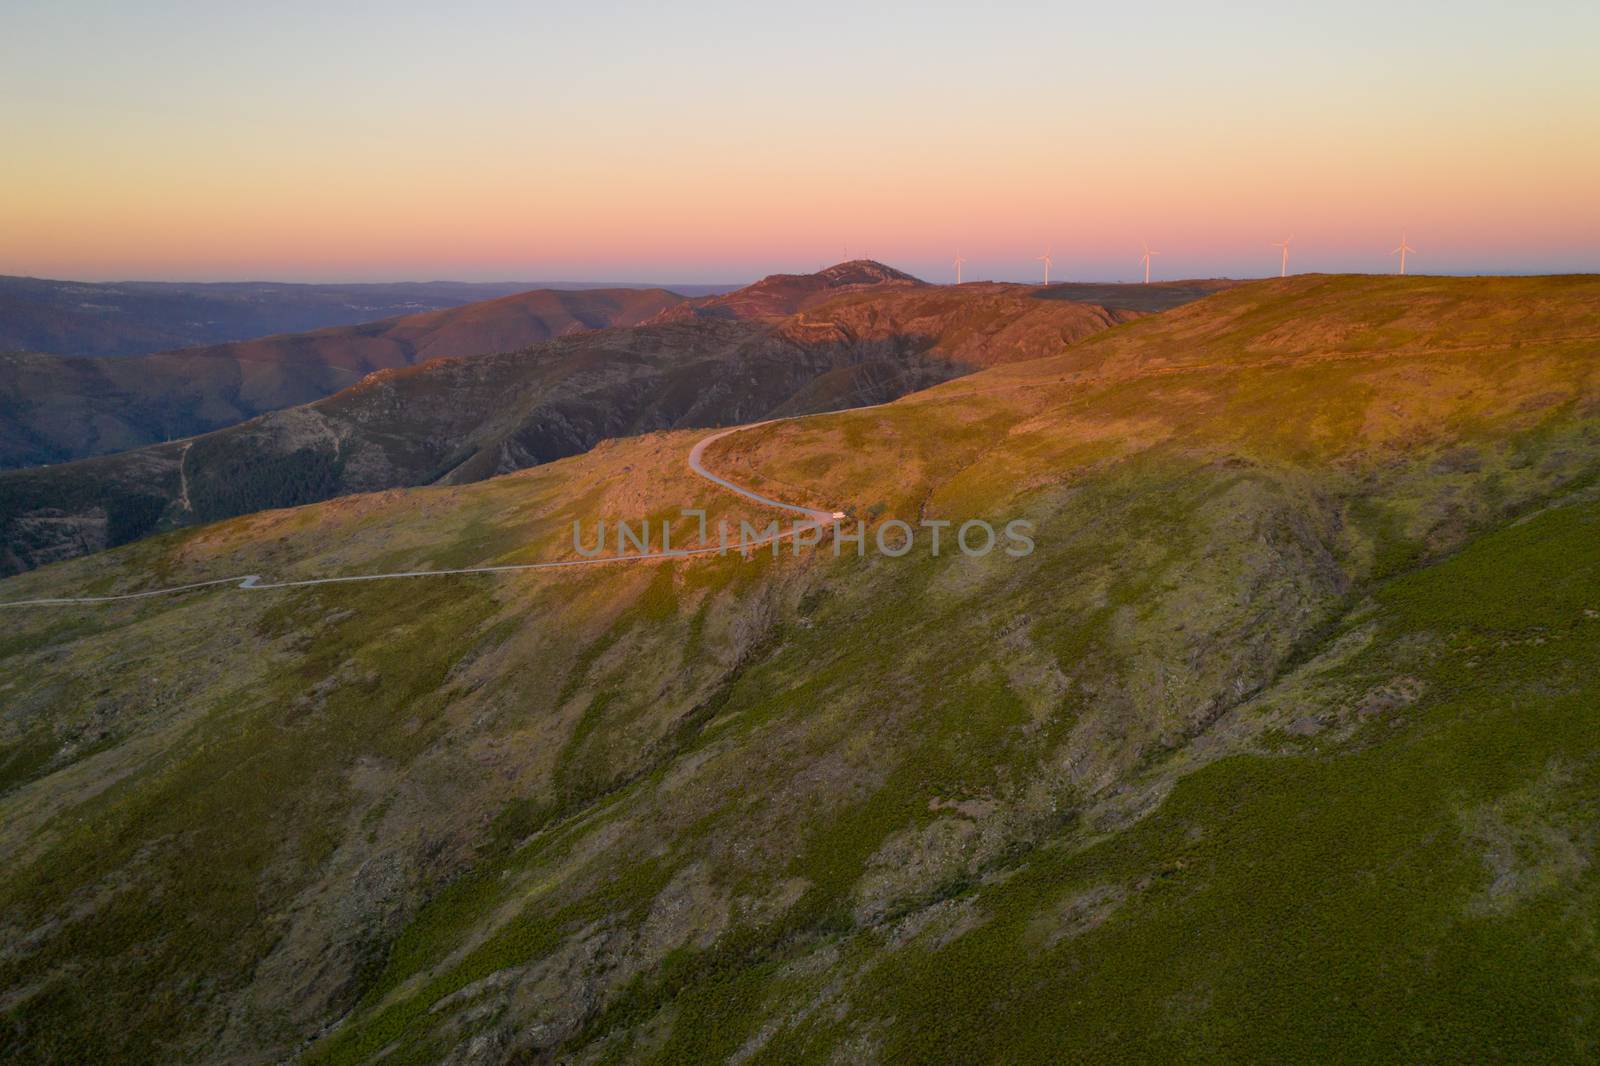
(1146, 261)
(1283, 271)
(1401, 252)
(957, 265)
(1045, 258)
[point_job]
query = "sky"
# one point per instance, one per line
(718, 142)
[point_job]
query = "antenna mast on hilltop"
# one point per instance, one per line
(1283, 270)
(957, 265)
(1402, 250)
(1046, 260)
(1146, 261)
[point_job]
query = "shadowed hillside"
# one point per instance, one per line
(1280, 745)
(59, 408)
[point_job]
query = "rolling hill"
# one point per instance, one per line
(781, 295)
(1279, 746)
(124, 318)
(54, 408)
(137, 317)
(455, 420)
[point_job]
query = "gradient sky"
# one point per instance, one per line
(707, 141)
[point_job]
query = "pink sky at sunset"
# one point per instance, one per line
(628, 147)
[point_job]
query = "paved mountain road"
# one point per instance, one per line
(815, 519)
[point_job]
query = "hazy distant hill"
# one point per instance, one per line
(1151, 297)
(137, 317)
(459, 420)
(56, 408)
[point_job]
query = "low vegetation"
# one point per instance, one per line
(1280, 745)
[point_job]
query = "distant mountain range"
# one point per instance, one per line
(55, 408)
(58, 408)
(856, 334)
(138, 317)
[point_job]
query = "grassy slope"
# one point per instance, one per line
(1419, 888)
(1279, 745)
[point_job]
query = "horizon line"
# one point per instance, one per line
(593, 283)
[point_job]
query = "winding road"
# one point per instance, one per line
(814, 519)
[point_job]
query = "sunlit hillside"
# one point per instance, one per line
(483, 403)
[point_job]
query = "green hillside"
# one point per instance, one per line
(1282, 745)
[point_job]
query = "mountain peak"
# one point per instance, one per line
(781, 295)
(864, 272)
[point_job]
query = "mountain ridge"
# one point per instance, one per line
(60, 408)
(468, 418)
(782, 295)
(119, 319)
